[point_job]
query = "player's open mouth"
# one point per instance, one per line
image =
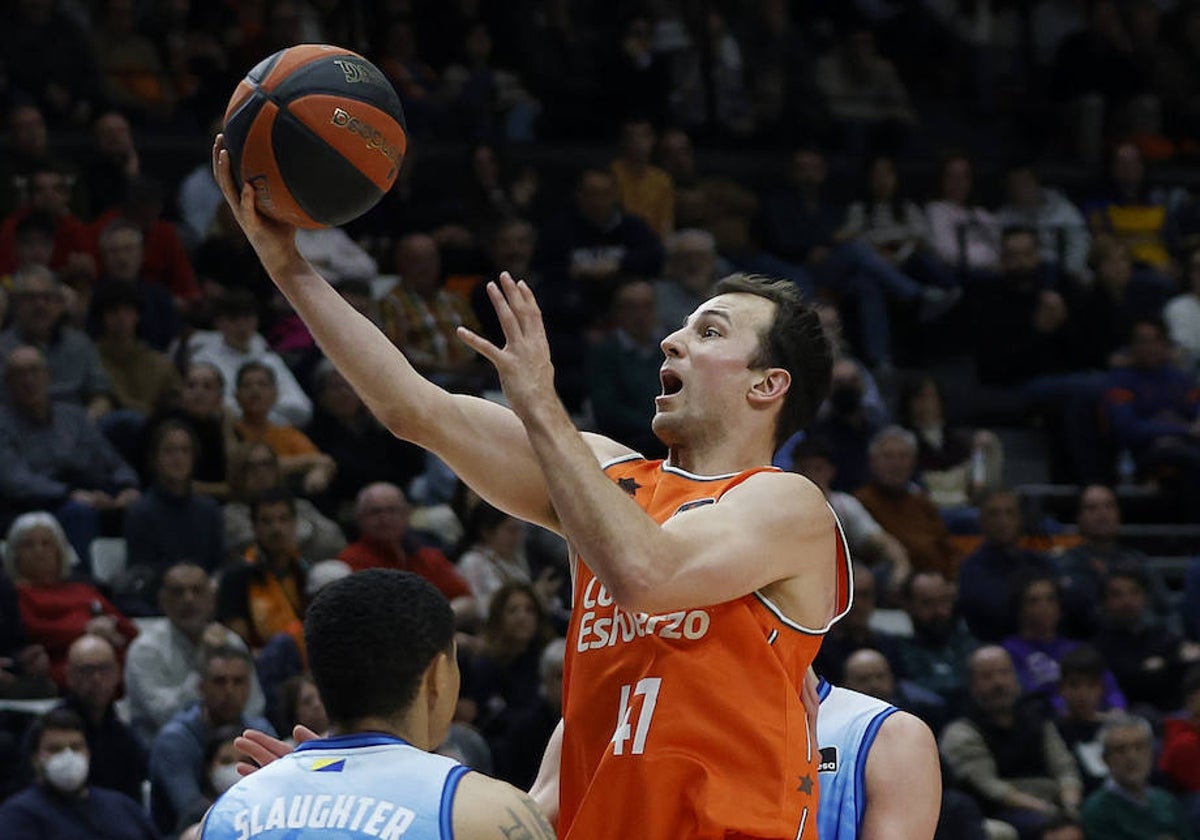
(671, 383)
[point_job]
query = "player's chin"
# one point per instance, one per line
(665, 427)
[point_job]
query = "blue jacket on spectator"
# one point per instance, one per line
(1145, 405)
(39, 814)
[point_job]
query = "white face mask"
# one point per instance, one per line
(223, 777)
(66, 770)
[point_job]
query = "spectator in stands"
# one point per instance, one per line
(165, 261)
(28, 146)
(199, 197)
(873, 402)
(55, 610)
(855, 632)
(114, 163)
(504, 679)
(1064, 241)
(865, 537)
(76, 375)
(143, 380)
(171, 523)
(689, 274)
(202, 407)
(990, 574)
(904, 510)
(177, 767)
(416, 82)
(964, 236)
(1180, 759)
(623, 369)
(847, 425)
(1009, 754)
(954, 464)
(518, 753)
(584, 251)
(133, 75)
(420, 316)
(164, 665)
(333, 253)
(265, 594)
(300, 705)
(51, 59)
(224, 261)
(257, 393)
(237, 341)
(864, 94)
(1132, 209)
(1128, 807)
(34, 242)
(802, 227)
(869, 672)
(734, 115)
(1083, 567)
(254, 470)
(1119, 295)
(118, 761)
(935, 656)
(510, 247)
(1147, 659)
(51, 455)
(495, 555)
(24, 667)
(122, 250)
(895, 227)
(50, 195)
(382, 514)
(1154, 410)
(1082, 676)
(1037, 648)
(1029, 342)
(60, 803)
(644, 190)
(1182, 313)
(363, 450)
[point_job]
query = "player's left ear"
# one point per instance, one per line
(771, 385)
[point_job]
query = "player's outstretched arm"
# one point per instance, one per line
(904, 782)
(485, 444)
(760, 534)
(489, 809)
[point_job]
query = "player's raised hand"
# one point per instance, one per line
(524, 362)
(273, 241)
(261, 749)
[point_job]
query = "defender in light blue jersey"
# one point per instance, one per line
(381, 649)
(879, 770)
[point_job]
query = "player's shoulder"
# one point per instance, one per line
(607, 450)
(484, 807)
(904, 736)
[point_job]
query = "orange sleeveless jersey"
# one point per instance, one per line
(687, 725)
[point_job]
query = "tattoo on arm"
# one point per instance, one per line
(530, 824)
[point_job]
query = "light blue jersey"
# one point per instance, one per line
(366, 785)
(846, 728)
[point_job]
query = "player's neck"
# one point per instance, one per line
(724, 459)
(406, 730)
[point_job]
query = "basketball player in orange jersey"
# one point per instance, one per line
(703, 584)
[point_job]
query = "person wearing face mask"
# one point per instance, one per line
(220, 762)
(60, 804)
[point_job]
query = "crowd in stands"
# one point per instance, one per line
(161, 402)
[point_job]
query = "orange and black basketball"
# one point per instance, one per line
(319, 132)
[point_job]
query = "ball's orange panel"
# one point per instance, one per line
(363, 134)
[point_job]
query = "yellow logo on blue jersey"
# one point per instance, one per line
(328, 765)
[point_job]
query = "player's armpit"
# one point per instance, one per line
(489, 809)
(904, 782)
(773, 527)
(545, 787)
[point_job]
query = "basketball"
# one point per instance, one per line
(319, 133)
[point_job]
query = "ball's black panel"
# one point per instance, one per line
(323, 183)
(259, 71)
(237, 127)
(343, 75)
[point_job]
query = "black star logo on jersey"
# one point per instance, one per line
(806, 785)
(629, 485)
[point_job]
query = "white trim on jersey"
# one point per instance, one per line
(621, 459)
(766, 602)
(697, 477)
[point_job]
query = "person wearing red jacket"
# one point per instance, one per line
(74, 242)
(1180, 759)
